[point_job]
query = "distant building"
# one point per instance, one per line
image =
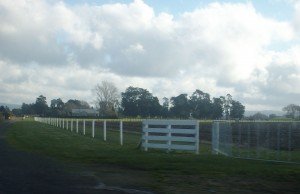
(85, 112)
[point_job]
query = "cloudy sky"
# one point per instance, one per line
(250, 49)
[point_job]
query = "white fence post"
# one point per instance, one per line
(121, 132)
(146, 139)
(63, 123)
(83, 126)
(71, 124)
(67, 124)
(169, 137)
(76, 125)
(104, 130)
(215, 137)
(93, 128)
(278, 142)
(197, 138)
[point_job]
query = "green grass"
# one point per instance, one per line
(267, 154)
(178, 172)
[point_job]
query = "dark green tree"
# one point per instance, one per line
(17, 112)
(139, 102)
(217, 108)
(5, 111)
(56, 107)
(28, 109)
(180, 106)
(165, 107)
(237, 110)
(41, 107)
(200, 104)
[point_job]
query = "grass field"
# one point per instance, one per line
(157, 171)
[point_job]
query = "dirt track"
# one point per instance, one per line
(22, 172)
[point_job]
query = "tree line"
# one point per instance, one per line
(139, 102)
(57, 107)
(5, 113)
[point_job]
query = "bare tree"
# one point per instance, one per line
(106, 98)
(292, 111)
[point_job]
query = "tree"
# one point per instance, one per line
(28, 109)
(200, 104)
(106, 98)
(5, 112)
(227, 105)
(237, 110)
(259, 116)
(41, 106)
(17, 112)
(140, 102)
(56, 107)
(180, 106)
(165, 107)
(217, 108)
(74, 104)
(292, 111)
(272, 116)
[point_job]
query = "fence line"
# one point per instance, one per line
(279, 141)
(69, 125)
(269, 141)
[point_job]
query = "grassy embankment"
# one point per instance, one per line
(155, 170)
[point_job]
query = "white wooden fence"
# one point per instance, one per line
(171, 135)
(67, 123)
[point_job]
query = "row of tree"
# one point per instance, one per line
(292, 112)
(139, 102)
(57, 107)
(5, 113)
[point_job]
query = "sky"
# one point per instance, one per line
(62, 49)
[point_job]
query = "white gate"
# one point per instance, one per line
(171, 135)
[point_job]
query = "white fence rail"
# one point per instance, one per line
(171, 135)
(80, 125)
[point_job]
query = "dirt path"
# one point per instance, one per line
(22, 172)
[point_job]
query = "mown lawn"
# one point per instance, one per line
(155, 170)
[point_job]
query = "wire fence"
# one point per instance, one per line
(272, 141)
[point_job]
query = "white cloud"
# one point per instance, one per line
(296, 21)
(63, 51)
